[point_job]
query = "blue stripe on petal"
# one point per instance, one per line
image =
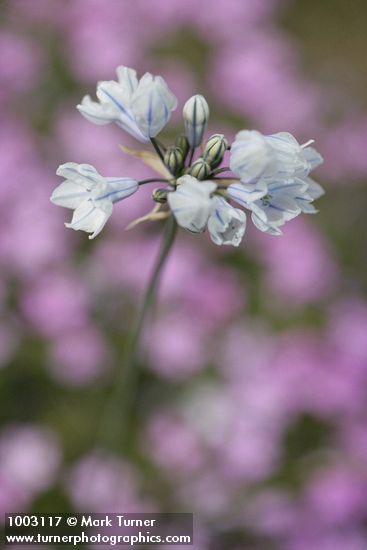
(218, 216)
(118, 104)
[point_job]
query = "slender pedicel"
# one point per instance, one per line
(157, 149)
(152, 180)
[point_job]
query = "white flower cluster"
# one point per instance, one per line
(271, 173)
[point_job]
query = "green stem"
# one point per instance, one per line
(161, 145)
(118, 414)
(157, 149)
(152, 180)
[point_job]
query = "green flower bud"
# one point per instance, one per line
(182, 142)
(160, 195)
(214, 150)
(174, 159)
(200, 169)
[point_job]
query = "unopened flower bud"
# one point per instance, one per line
(174, 159)
(183, 144)
(160, 195)
(199, 170)
(196, 115)
(214, 150)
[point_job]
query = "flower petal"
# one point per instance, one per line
(90, 218)
(128, 80)
(251, 156)
(69, 194)
(191, 203)
(152, 103)
(118, 100)
(245, 193)
(82, 174)
(264, 226)
(98, 113)
(313, 157)
(314, 189)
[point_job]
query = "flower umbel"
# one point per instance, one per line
(270, 178)
(271, 173)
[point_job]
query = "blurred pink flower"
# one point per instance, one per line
(347, 328)
(271, 512)
(13, 498)
(337, 495)
(21, 63)
(244, 352)
(101, 483)
(230, 18)
(177, 346)
(78, 357)
(351, 539)
(165, 16)
(207, 495)
(343, 148)
(298, 265)
(352, 437)
(212, 294)
(56, 302)
(173, 445)
(29, 457)
(262, 82)
(18, 149)
(42, 11)
(330, 388)
(34, 235)
(250, 451)
(100, 39)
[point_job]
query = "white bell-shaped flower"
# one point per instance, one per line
(280, 205)
(226, 225)
(142, 108)
(255, 156)
(290, 159)
(191, 203)
(152, 104)
(90, 195)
